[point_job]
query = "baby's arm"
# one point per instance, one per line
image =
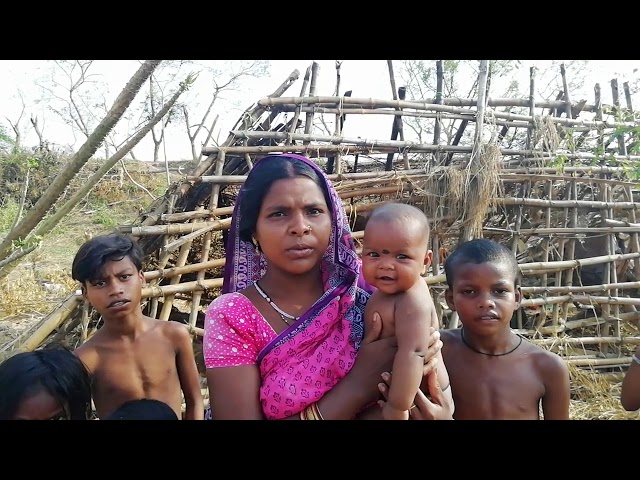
(188, 373)
(557, 395)
(630, 394)
(412, 323)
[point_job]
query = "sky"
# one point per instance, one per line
(366, 78)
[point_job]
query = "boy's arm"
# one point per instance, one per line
(630, 393)
(188, 374)
(556, 399)
(412, 324)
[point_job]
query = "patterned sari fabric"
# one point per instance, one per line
(306, 360)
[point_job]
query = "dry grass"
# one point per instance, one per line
(596, 397)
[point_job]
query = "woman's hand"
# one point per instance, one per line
(438, 408)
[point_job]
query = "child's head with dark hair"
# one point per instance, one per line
(95, 253)
(143, 409)
(479, 251)
(257, 186)
(47, 384)
(484, 287)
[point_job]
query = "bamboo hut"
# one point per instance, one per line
(555, 183)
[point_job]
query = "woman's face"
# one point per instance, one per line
(40, 405)
(294, 225)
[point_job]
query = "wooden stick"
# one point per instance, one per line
(375, 147)
(507, 176)
(454, 101)
(85, 322)
(582, 288)
(298, 109)
(52, 321)
(470, 116)
(601, 362)
(373, 143)
(206, 246)
(174, 229)
(308, 125)
(164, 290)
(332, 101)
(530, 302)
(537, 267)
(586, 341)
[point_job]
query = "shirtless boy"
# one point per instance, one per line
(395, 254)
(132, 356)
(496, 374)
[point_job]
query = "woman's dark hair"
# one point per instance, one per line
(143, 409)
(54, 369)
(93, 254)
(257, 186)
(480, 250)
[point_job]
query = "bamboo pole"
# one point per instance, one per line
(54, 320)
(469, 116)
(575, 324)
(167, 304)
(173, 229)
(586, 341)
(298, 109)
(547, 240)
(308, 125)
(582, 288)
(507, 176)
(587, 299)
(384, 146)
(448, 101)
(194, 267)
(206, 246)
(85, 321)
(404, 104)
(538, 268)
(396, 130)
(184, 287)
(600, 362)
(393, 144)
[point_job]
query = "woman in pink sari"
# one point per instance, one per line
(285, 340)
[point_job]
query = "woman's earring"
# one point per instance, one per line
(256, 245)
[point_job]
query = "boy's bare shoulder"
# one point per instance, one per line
(174, 331)
(452, 334)
(546, 361)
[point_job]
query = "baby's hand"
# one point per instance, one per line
(390, 413)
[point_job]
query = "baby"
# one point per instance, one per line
(395, 255)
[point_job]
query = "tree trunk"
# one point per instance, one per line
(53, 192)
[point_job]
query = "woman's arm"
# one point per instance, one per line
(238, 387)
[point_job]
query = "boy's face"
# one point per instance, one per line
(485, 296)
(393, 256)
(116, 290)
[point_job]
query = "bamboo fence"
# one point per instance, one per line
(556, 185)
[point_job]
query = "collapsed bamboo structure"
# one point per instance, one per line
(560, 192)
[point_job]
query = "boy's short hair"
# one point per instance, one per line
(143, 409)
(94, 253)
(480, 250)
(402, 211)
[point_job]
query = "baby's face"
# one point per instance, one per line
(393, 256)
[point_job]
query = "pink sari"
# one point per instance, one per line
(307, 359)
